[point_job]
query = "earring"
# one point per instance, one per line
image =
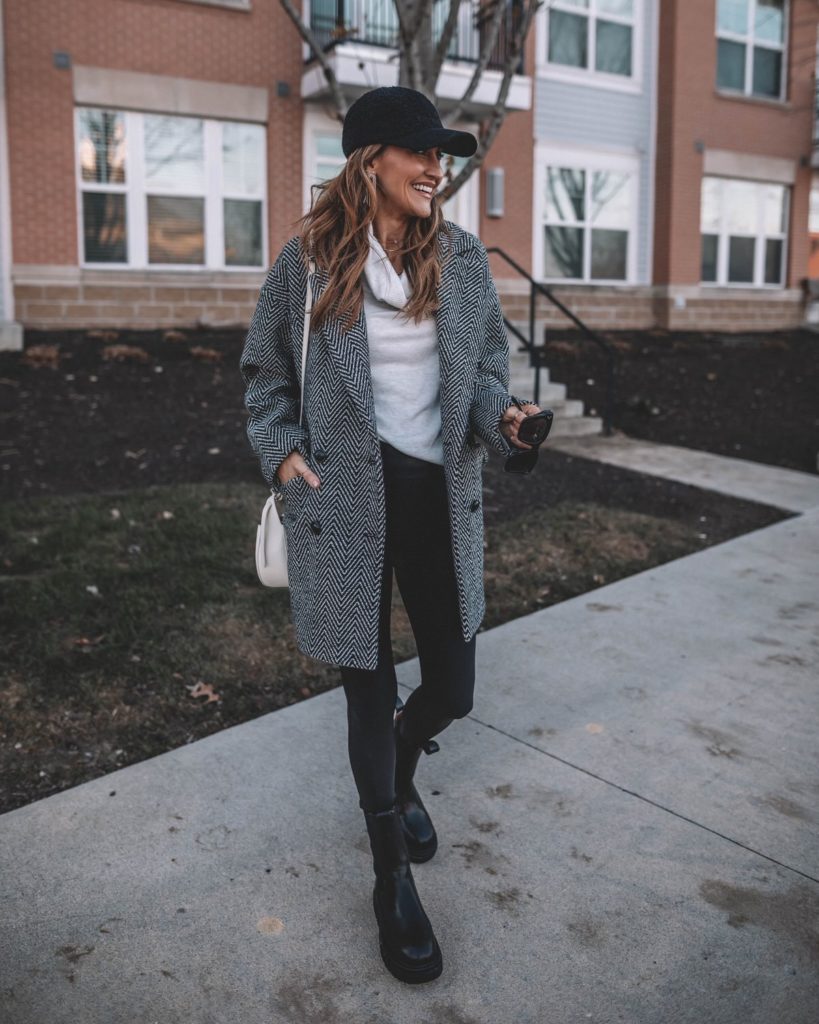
(372, 178)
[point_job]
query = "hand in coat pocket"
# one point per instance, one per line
(293, 466)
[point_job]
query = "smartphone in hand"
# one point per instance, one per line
(535, 428)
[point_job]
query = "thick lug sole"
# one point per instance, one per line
(417, 854)
(398, 969)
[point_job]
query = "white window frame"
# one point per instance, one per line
(544, 68)
(134, 189)
(748, 40)
(761, 235)
(462, 208)
(586, 159)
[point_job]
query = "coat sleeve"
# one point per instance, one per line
(491, 397)
(272, 393)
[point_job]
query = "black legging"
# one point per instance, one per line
(419, 549)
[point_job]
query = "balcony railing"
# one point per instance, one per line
(375, 22)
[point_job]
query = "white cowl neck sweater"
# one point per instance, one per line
(403, 361)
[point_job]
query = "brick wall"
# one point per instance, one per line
(162, 37)
(694, 117)
(513, 149)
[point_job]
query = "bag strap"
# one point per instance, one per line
(308, 309)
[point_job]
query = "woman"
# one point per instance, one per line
(407, 362)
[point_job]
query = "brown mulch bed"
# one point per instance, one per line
(91, 423)
(753, 395)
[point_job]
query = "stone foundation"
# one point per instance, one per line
(60, 297)
(647, 307)
(140, 300)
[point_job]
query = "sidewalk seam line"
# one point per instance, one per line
(645, 799)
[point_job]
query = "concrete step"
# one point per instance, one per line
(550, 391)
(569, 419)
(565, 408)
(519, 364)
(559, 406)
(574, 426)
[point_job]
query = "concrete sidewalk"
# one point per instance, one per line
(737, 478)
(628, 824)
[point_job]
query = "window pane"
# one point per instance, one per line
(769, 22)
(563, 252)
(732, 16)
(775, 209)
(710, 204)
(709, 258)
(773, 261)
(176, 230)
(174, 153)
(613, 52)
(330, 145)
(610, 198)
(104, 227)
(741, 259)
(243, 158)
(730, 65)
(102, 145)
(767, 71)
(608, 255)
(567, 39)
(625, 8)
(243, 233)
(741, 199)
(326, 171)
(564, 194)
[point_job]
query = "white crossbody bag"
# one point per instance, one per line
(271, 540)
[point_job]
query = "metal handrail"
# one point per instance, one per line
(532, 349)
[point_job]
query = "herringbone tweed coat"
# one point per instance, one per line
(336, 533)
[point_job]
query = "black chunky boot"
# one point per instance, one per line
(408, 945)
(419, 832)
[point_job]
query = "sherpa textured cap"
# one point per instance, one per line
(397, 116)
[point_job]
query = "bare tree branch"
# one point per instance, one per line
(483, 59)
(413, 28)
(490, 127)
(443, 43)
(421, 63)
(307, 35)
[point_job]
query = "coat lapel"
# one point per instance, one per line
(350, 349)
(350, 353)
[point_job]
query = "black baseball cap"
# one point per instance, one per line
(396, 116)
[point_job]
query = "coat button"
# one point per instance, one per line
(475, 505)
(320, 456)
(315, 526)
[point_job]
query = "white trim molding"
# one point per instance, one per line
(166, 94)
(211, 187)
(727, 164)
(589, 76)
(585, 158)
(11, 333)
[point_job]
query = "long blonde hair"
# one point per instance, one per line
(334, 233)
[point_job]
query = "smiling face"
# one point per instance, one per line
(407, 179)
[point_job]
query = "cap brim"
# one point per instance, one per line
(447, 139)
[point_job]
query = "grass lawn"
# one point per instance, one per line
(134, 623)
